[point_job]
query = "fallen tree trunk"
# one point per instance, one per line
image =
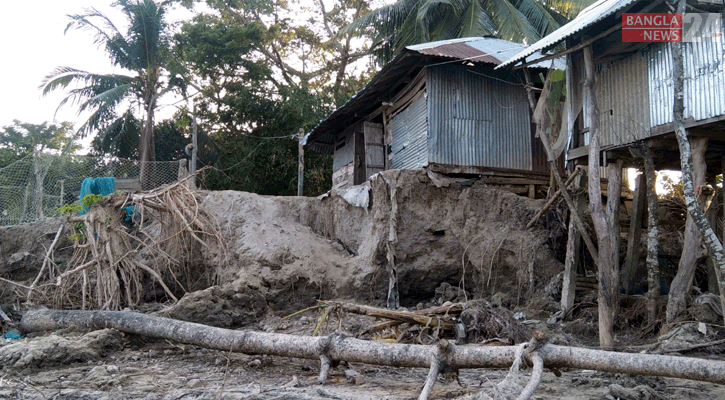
(339, 347)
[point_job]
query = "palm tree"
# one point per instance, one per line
(408, 22)
(143, 50)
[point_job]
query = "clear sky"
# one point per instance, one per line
(32, 44)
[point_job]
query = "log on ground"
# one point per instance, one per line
(342, 348)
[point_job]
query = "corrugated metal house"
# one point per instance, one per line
(634, 84)
(440, 106)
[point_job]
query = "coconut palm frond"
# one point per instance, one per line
(113, 97)
(84, 22)
(566, 8)
(410, 32)
(539, 16)
(146, 34)
(510, 23)
(475, 21)
(62, 77)
(431, 13)
(385, 19)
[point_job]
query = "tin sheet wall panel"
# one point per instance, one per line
(704, 77)
(478, 117)
(623, 96)
(410, 136)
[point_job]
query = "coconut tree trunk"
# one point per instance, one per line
(653, 267)
(712, 243)
(605, 220)
(147, 151)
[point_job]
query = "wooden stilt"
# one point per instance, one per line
(691, 248)
(572, 250)
(631, 262)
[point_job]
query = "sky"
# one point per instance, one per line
(33, 44)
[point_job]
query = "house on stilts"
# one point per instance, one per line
(634, 89)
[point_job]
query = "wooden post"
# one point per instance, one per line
(62, 192)
(572, 250)
(300, 162)
(195, 144)
(631, 262)
(711, 213)
(653, 266)
(682, 282)
(606, 222)
(24, 211)
(183, 172)
(38, 187)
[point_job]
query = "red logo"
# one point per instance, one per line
(651, 27)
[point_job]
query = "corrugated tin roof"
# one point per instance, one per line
(477, 50)
(589, 16)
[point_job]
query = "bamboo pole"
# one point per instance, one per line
(300, 162)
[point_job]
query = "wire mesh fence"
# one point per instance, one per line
(38, 184)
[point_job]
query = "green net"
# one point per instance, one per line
(36, 186)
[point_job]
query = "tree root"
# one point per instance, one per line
(443, 357)
(105, 272)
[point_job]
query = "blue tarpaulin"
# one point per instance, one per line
(102, 186)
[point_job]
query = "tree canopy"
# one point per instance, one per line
(408, 22)
(21, 139)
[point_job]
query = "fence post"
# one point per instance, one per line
(301, 162)
(195, 143)
(38, 187)
(62, 192)
(183, 172)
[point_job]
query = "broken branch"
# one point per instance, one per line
(552, 200)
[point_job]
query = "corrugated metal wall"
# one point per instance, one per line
(622, 93)
(478, 120)
(704, 77)
(410, 135)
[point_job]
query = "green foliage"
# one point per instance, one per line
(70, 208)
(21, 139)
(408, 22)
(262, 77)
(90, 199)
(121, 139)
(78, 238)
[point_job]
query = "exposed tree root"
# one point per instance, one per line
(106, 271)
(443, 357)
